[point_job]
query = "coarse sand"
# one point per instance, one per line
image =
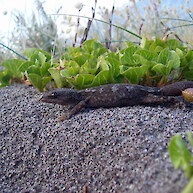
(105, 150)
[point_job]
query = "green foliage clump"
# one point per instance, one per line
(35, 69)
(181, 157)
(156, 62)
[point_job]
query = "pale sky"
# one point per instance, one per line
(68, 7)
(27, 6)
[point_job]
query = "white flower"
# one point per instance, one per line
(79, 6)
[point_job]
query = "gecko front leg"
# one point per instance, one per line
(74, 110)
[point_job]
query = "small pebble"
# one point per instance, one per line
(188, 95)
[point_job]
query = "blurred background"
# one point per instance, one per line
(52, 24)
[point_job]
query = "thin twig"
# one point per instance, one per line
(190, 16)
(85, 35)
(77, 26)
(110, 28)
(140, 29)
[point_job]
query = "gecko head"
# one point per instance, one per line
(62, 96)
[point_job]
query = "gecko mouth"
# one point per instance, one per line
(42, 99)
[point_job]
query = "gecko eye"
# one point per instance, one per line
(53, 95)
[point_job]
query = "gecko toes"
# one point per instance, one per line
(64, 117)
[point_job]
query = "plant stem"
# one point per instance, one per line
(167, 18)
(119, 27)
(14, 52)
(189, 187)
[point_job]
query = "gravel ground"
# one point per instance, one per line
(106, 150)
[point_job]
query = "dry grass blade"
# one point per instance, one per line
(85, 35)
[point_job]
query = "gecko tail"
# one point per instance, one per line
(176, 88)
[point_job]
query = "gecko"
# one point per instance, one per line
(114, 95)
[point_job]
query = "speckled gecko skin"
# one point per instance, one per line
(114, 95)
